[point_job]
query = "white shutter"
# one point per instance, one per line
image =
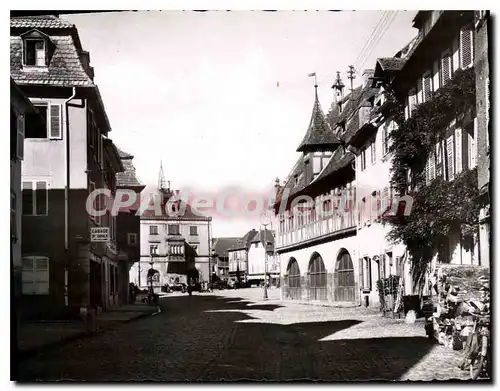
(20, 136)
(450, 159)
(445, 68)
(466, 49)
(28, 275)
(432, 166)
(101, 151)
(419, 91)
(427, 174)
(412, 101)
(435, 76)
(427, 86)
(55, 122)
(458, 150)
(473, 146)
(455, 61)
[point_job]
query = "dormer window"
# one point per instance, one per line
(34, 52)
(37, 49)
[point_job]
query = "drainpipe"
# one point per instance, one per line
(66, 198)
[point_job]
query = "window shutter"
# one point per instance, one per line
(41, 199)
(445, 68)
(28, 198)
(455, 59)
(20, 136)
(432, 166)
(419, 91)
(42, 275)
(427, 87)
(101, 151)
(427, 175)
(458, 150)
(439, 160)
(473, 145)
(435, 76)
(55, 122)
(450, 160)
(466, 53)
(412, 101)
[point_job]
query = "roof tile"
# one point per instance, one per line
(65, 68)
(319, 132)
(46, 21)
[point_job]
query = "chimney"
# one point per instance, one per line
(367, 76)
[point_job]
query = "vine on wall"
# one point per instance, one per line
(440, 207)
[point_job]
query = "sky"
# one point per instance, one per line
(224, 98)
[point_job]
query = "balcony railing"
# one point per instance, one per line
(318, 228)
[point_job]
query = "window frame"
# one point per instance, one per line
(153, 230)
(171, 231)
(362, 157)
(45, 51)
(195, 230)
(34, 269)
(34, 197)
(48, 105)
(131, 235)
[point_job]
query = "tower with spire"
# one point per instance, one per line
(163, 185)
(318, 143)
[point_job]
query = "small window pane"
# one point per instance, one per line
(41, 198)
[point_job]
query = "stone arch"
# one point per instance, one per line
(343, 277)
(317, 277)
(292, 287)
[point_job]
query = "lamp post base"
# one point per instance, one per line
(265, 293)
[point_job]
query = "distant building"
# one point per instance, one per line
(221, 247)
(164, 239)
(238, 257)
(128, 234)
(261, 249)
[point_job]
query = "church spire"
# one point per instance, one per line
(162, 183)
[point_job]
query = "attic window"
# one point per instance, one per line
(37, 49)
(34, 52)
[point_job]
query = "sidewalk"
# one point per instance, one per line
(35, 336)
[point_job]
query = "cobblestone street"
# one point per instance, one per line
(232, 335)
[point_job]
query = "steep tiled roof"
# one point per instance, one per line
(388, 64)
(65, 68)
(318, 133)
(269, 236)
(47, 21)
(245, 241)
(188, 214)
(295, 181)
(222, 245)
(339, 160)
(127, 178)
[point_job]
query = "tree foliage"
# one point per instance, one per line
(440, 207)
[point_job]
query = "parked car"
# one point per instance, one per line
(179, 287)
(166, 288)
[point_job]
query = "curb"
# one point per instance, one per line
(30, 352)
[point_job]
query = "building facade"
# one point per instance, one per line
(128, 223)
(443, 50)
(316, 238)
(64, 161)
(482, 52)
(21, 111)
(221, 247)
(260, 251)
(238, 257)
(164, 239)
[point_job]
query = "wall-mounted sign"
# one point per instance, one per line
(99, 234)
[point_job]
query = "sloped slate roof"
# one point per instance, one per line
(189, 215)
(47, 21)
(268, 235)
(388, 64)
(319, 132)
(338, 161)
(222, 245)
(127, 178)
(65, 68)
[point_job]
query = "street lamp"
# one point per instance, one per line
(265, 220)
